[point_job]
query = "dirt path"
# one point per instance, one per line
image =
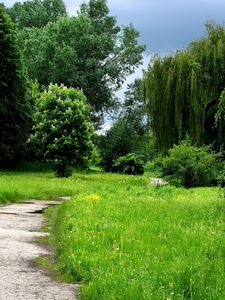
(20, 279)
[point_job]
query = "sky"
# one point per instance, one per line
(164, 25)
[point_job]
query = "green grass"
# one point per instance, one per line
(125, 241)
(21, 185)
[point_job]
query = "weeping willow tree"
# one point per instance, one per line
(220, 114)
(182, 92)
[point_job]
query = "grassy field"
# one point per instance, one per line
(19, 185)
(125, 241)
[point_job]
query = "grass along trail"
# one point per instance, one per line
(20, 278)
(121, 239)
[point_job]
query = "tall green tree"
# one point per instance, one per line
(134, 110)
(130, 132)
(89, 51)
(37, 13)
(15, 113)
(182, 92)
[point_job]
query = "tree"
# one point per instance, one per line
(134, 110)
(89, 51)
(182, 92)
(63, 131)
(15, 111)
(115, 143)
(37, 13)
(129, 132)
(220, 114)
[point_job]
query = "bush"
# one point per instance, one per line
(63, 131)
(131, 164)
(190, 166)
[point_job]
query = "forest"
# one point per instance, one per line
(145, 219)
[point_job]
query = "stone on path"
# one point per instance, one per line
(20, 278)
(157, 181)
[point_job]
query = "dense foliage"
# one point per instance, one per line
(131, 164)
(191, 166)
(36, 13)
(183, 91)
(130, 131)
(63, 131)
(88, 51)
(15, 112)
(220, 114)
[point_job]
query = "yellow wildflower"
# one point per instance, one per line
(93, 197)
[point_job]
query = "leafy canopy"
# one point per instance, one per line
(182, 91)
(88, 51)
(130, 132)
(63, 131)
(36, 13)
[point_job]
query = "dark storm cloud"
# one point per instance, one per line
(167, 25)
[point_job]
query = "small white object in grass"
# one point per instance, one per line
(157, 181)
(64, 197)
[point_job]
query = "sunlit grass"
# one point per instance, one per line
(21, 185)
(25, 185)
(123, 240)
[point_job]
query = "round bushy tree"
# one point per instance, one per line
(63, 132)
(15, 114)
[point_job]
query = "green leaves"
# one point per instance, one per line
(131, 164)
(63, 131)
(130, 132)
(37, 13)
(183, 90)
(221, 108)
(89, 51)
(190, 165)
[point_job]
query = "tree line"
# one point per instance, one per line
(45, 52)
(87, 51)
(49, 60)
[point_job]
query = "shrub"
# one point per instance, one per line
(189, 165)
(63, 132)
(132, 164)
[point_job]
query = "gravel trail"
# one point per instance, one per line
(20, 278)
